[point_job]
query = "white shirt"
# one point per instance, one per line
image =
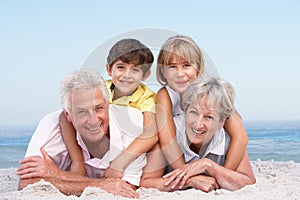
(125, 124)
(216, 149)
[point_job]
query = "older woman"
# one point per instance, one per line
(207, 104)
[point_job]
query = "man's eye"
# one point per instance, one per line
(120, 67)
(80, 112)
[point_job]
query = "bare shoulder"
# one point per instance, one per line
(162, 96)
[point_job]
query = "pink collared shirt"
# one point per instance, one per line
(125, 124)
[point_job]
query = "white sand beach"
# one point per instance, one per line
(274, 180)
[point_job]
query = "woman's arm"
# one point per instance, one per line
(226, 178)
(167, 130)
(69, 136)
(238, 143)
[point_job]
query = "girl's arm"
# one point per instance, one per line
(142, 144)
(238, 143)
(69, 136)
(167, 130)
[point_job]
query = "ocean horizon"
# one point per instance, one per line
(277, 140)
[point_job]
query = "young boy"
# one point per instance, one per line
(128, 63)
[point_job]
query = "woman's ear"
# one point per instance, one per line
(108, 70)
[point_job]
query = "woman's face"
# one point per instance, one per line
(201, 122)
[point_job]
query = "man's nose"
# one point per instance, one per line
(93, 117)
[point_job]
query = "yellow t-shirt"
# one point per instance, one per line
(143, 98)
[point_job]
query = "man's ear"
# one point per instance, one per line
(67, 116)
(146, 75)
(108, 70)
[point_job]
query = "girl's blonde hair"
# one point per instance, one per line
(182, 46)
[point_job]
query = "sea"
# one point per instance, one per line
(268, 140)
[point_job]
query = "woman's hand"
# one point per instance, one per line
(203, 182)
(181, 175)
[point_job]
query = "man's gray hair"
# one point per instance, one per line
(220, 95)
(81, 79)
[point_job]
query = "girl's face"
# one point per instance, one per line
(201, 122)
(179, 73)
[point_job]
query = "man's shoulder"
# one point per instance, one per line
(52, 117)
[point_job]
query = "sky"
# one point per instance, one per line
(254, 45)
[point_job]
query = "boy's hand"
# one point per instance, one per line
(111, 172)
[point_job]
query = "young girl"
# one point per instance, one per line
(128, 63)
(179, 62)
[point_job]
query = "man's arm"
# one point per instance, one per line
(34, 168)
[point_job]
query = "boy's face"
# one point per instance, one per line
(126, 77)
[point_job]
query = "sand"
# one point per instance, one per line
(274, 180)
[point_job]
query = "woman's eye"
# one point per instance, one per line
(193, 112)
(209, 117)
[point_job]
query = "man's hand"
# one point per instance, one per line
(118, 187)
(37, 167)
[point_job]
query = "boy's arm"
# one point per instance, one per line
(69, 136)
(238, 143)
(143, 143)
(167, 130)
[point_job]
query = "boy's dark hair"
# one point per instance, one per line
(131, 51)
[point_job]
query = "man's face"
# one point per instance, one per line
(89, 114)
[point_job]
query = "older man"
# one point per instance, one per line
(85, 102)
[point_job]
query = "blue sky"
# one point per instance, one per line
(254, 44)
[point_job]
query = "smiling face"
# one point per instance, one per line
(201, 122)
(126, 77)
(179, 73)
(89, 114)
